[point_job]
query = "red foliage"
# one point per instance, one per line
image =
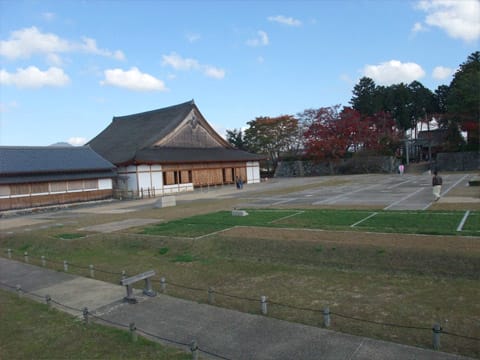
(333, 133)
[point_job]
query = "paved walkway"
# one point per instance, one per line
(230, 334)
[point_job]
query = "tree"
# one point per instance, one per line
(331, 134)
(422, 104)
(272, 136)
(364, 97)
(463, 101)
(235, 137)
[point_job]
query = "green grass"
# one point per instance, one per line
(428, 280)
(31, 331)
(406, 222)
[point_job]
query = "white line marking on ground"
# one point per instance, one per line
(286, 217)
(460, 226)
(403, 199)
(364, 219)
(454, 184)
(334, 199)
(399, 184)
(213, 233)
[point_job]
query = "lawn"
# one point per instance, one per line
(404, 222)
(370, 265)
(32, 331)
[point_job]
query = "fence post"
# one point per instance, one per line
(124, 274)
(25, 256)
(326, 316)
(211, 296)
(133, 331)
(19, 291)
(163, 285)
(437, 330)
(194, 349)
(263, 304)
(48, 300)
(9, 251)
(85, 315)
(44, 263)
(65, 265)
(92, 271)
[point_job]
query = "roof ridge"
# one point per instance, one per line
(168, 108)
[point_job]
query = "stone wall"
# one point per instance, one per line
(459, 161)
(355, 165)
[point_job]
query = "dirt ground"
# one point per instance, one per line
(457, 244)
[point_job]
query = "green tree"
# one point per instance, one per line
(272, 136)
(463, 101)
(364, 97)
(235, 137)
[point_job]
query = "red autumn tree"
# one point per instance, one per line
(333, 133)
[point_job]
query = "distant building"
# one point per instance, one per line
(170, 150)
(40, 176)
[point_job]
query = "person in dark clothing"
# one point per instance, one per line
(437, 185)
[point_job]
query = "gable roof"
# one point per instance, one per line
(128, 139)
(47, 163)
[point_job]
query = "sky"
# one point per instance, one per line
(68, 67)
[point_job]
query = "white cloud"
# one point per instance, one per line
(394, 72)
(185, 64)
(90, 46)
(32, 77)
(132, 79)
(27, 42)
(213, 72)
(192, 37)
(285, 20)
(77, 141)
(48, 16)
(5, 107)
(442, 72)
(179, 63)
(459, 18)
(418, 27)
(260, 40)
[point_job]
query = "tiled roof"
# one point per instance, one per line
(29, 163)
(120, 141)
(193, 155)
(131, 139)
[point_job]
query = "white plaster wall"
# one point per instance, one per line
(105, 184)
(253, 172)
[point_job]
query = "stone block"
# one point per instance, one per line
(165, 201)
(239, 213)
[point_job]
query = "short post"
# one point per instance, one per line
(92, 271)
(85, 315)
(326, 316)
(211, 296)
(65, 265)
(48, 300)
(133, 331)
(44, 262)
(437, 330)
(9, 251)
(263, 304)
(194, 349)
(163, 285)
(25, 256)
(124, 274)
(19, 291)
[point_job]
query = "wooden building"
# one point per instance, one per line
(40, 176)
(170, 150)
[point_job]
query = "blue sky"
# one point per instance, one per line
(68, 67)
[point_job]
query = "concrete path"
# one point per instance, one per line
(230, 334)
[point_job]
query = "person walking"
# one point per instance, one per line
(437, 185)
